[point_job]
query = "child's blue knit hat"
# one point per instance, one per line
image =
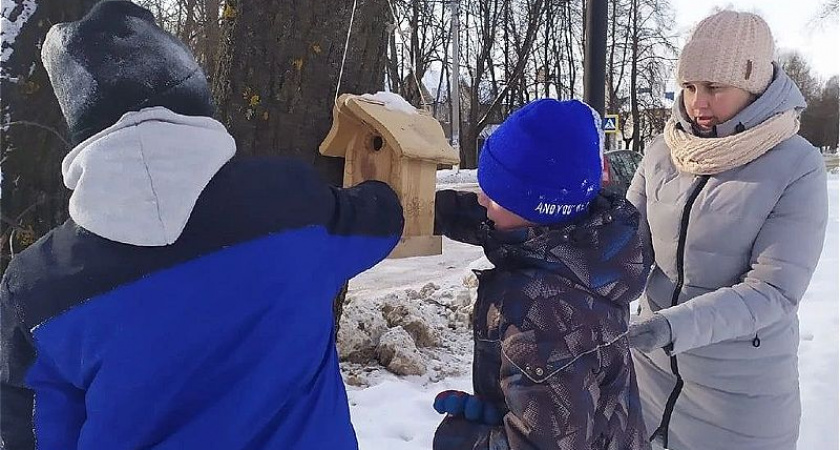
(544, 162)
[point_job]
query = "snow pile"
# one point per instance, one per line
(398, 352)
(448, 177)
(408, 332)
(392, 101)
(396, 320)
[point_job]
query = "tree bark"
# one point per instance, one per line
(278, 70)
(34, 138)
(634, 76)
(212, 34)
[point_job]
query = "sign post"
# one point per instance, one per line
(610, 126)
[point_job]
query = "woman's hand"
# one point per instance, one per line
(650, 334)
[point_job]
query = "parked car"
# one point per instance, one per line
(619, 168)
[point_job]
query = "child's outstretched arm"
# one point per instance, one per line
(458, 216)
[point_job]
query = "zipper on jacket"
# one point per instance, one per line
(660, 435)
(756, 342)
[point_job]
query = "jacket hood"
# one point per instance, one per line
(137, 181)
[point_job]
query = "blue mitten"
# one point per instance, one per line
(451, 402)
(459, 403)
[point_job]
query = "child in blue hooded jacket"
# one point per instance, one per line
(187, 302)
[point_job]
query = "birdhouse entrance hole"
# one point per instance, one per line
(377, 143)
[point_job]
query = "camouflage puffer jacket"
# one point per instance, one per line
(550, 328)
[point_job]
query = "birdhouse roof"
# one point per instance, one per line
(416, 136)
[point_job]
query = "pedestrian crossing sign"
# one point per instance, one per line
(611, 123)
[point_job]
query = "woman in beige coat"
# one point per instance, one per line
(735, 205)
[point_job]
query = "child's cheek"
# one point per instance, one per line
(494, 214)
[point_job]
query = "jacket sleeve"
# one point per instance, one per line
(784, 257)
(369, 218)
(458, 216)
(637, 195)
(60, 412)
(350, 229)
(16, 400)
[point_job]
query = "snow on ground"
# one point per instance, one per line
(818, 346)
(465, 179)
(394, 412)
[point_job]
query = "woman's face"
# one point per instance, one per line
(709, 104)
(502, 219)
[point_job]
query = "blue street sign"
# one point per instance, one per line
(611, 123)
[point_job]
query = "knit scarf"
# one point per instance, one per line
(711, 156)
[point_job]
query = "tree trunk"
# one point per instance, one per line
(549, 23)
(393, 65)
(278, 70)
(188, 27)
(535, 17)
(469, 131)
(634, 76)
(33, 140)
(212, 35)
(570, 51)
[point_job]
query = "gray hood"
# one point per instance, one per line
(137, 181)
(782, 95)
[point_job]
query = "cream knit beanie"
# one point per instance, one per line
(729, 47)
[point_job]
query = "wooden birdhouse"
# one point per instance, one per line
(399, 146)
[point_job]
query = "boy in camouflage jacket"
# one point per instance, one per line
(552, 367)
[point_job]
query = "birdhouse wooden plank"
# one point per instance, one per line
(382, 138)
